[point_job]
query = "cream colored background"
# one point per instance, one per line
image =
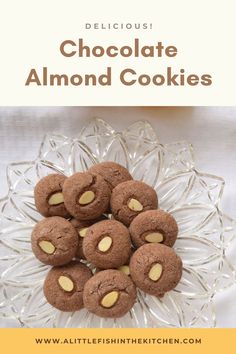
(212, 130)
(203, 31)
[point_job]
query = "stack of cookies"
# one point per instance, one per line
(104, 236)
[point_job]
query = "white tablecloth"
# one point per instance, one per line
(212, 131)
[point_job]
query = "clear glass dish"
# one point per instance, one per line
(205, 243)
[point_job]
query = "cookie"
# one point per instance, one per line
(131, 198)
(155, 268)
(54, 241)
(63, 286)
(124, 268)
(153, 226)
(86, 195)
(107, 244)
(109, 293)
(81, 227)
(112, 172)
(48, 196)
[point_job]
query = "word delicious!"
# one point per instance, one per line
(129, 76)
(118, 26)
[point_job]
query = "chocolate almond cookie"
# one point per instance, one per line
(81, 227)
(124, 268)
(54, 241)
(86, 195)
(155, 268)
(107, 244)
(154, 226)
(63, 286)
(48, 196)
(112, 172)
(109, 293)
(131, 198)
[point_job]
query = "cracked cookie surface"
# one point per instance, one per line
(154, 226)
(107, 244)
(81, 227)
(112, 172)
(63, 286)
(155, 268)
(86, 195)
(47, 188)
(54, 241)
(109, 293)
(131, 198)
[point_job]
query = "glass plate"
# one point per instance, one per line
(206, 235)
